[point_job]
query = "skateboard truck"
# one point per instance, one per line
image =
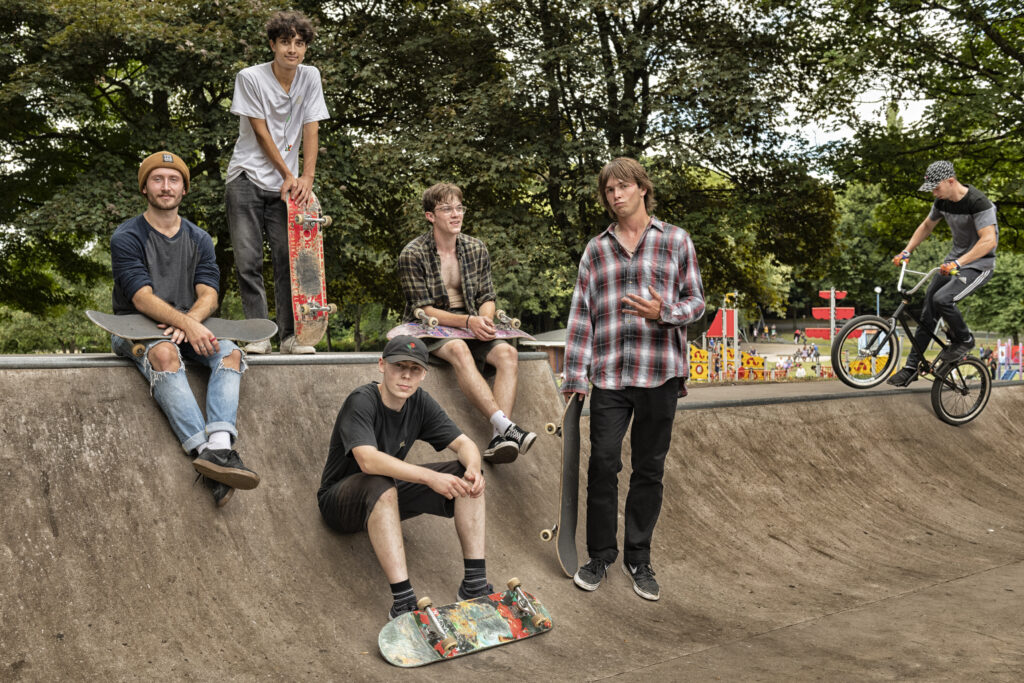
(428, 320)
(523, 603)
(305, 219)
(448, 641)
(306, 309)
(504, 319)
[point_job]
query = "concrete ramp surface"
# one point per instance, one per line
(847, 539)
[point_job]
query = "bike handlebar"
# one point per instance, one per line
(925, 277)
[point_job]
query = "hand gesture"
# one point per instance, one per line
(450, 486)
(644, 308)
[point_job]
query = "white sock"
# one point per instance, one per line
(219, 441)
(500, 422)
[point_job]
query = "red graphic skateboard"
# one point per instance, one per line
(430, 634)
(306, 258)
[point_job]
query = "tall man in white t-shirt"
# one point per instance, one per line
(279, 105)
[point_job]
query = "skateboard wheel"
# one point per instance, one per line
(551, 428)
(540, 621)
(547, 534)
(513, 583)
(327, 221)
(301, 219)
(448, 644)
(332, 308)
(423, 603)
(138, 350)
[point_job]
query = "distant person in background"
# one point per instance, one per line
(971, 217)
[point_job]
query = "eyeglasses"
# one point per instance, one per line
(451, 209)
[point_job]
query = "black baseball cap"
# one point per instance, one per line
(406, 347)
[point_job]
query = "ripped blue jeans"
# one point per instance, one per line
(175, 398)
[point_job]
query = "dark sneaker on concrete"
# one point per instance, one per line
(589, 576)
(955, 351)
(642, 577)
(226, 467)
(400, 608)
(904, 377)
(501, 450)
(464, 594)
(522, 438)
(221, 492)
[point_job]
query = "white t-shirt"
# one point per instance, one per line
(260, 96)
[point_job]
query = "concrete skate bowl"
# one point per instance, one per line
(841, 539)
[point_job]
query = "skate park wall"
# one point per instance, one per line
(776, 518)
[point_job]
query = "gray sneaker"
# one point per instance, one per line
(221, 492)
(642, 576)
(589, 576)
(291, 345)
(226, 467)
(258, 348)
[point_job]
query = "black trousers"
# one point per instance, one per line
(940, 301)
(652, 412)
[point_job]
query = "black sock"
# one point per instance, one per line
(475, 579)
(405, 597)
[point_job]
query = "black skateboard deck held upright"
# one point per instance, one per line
(569, 491)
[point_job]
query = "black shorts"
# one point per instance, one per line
(347, 505)
(477, 347)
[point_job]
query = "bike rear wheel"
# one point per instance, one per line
(961, 391)
(866, 351)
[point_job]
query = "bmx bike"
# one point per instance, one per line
(867, 351)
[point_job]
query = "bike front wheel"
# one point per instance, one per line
(866, 351)
(961, 390)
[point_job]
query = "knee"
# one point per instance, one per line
(505, 358)
(458, 353)
(233, 361)
(388, 499)
(163, 357)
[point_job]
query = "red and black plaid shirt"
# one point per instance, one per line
(614, 350)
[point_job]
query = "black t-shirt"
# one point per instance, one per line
(364, 420)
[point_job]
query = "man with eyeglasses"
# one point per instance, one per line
(368, 485)
(448, 274)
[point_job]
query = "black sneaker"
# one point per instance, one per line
(522, 438)
(644, 584)
(464, 594)
(398, 609)
(588, 577)
(904, 377)
(501, 450)
(226, 467)
(221, 492)
(955, 351)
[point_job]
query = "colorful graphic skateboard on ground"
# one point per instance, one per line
(137, 328)
(431, 634)
(306, 258)
(506, 328)
(569, 495)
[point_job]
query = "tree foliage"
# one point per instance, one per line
(518, 102)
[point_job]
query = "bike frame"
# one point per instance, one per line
(901, 313)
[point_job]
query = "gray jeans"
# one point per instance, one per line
(251, 212)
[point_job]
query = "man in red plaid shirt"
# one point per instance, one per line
(638, 288)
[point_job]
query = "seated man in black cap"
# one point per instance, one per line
(367, 485)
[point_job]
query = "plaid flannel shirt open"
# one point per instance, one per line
(419, 268)
(614, 350)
